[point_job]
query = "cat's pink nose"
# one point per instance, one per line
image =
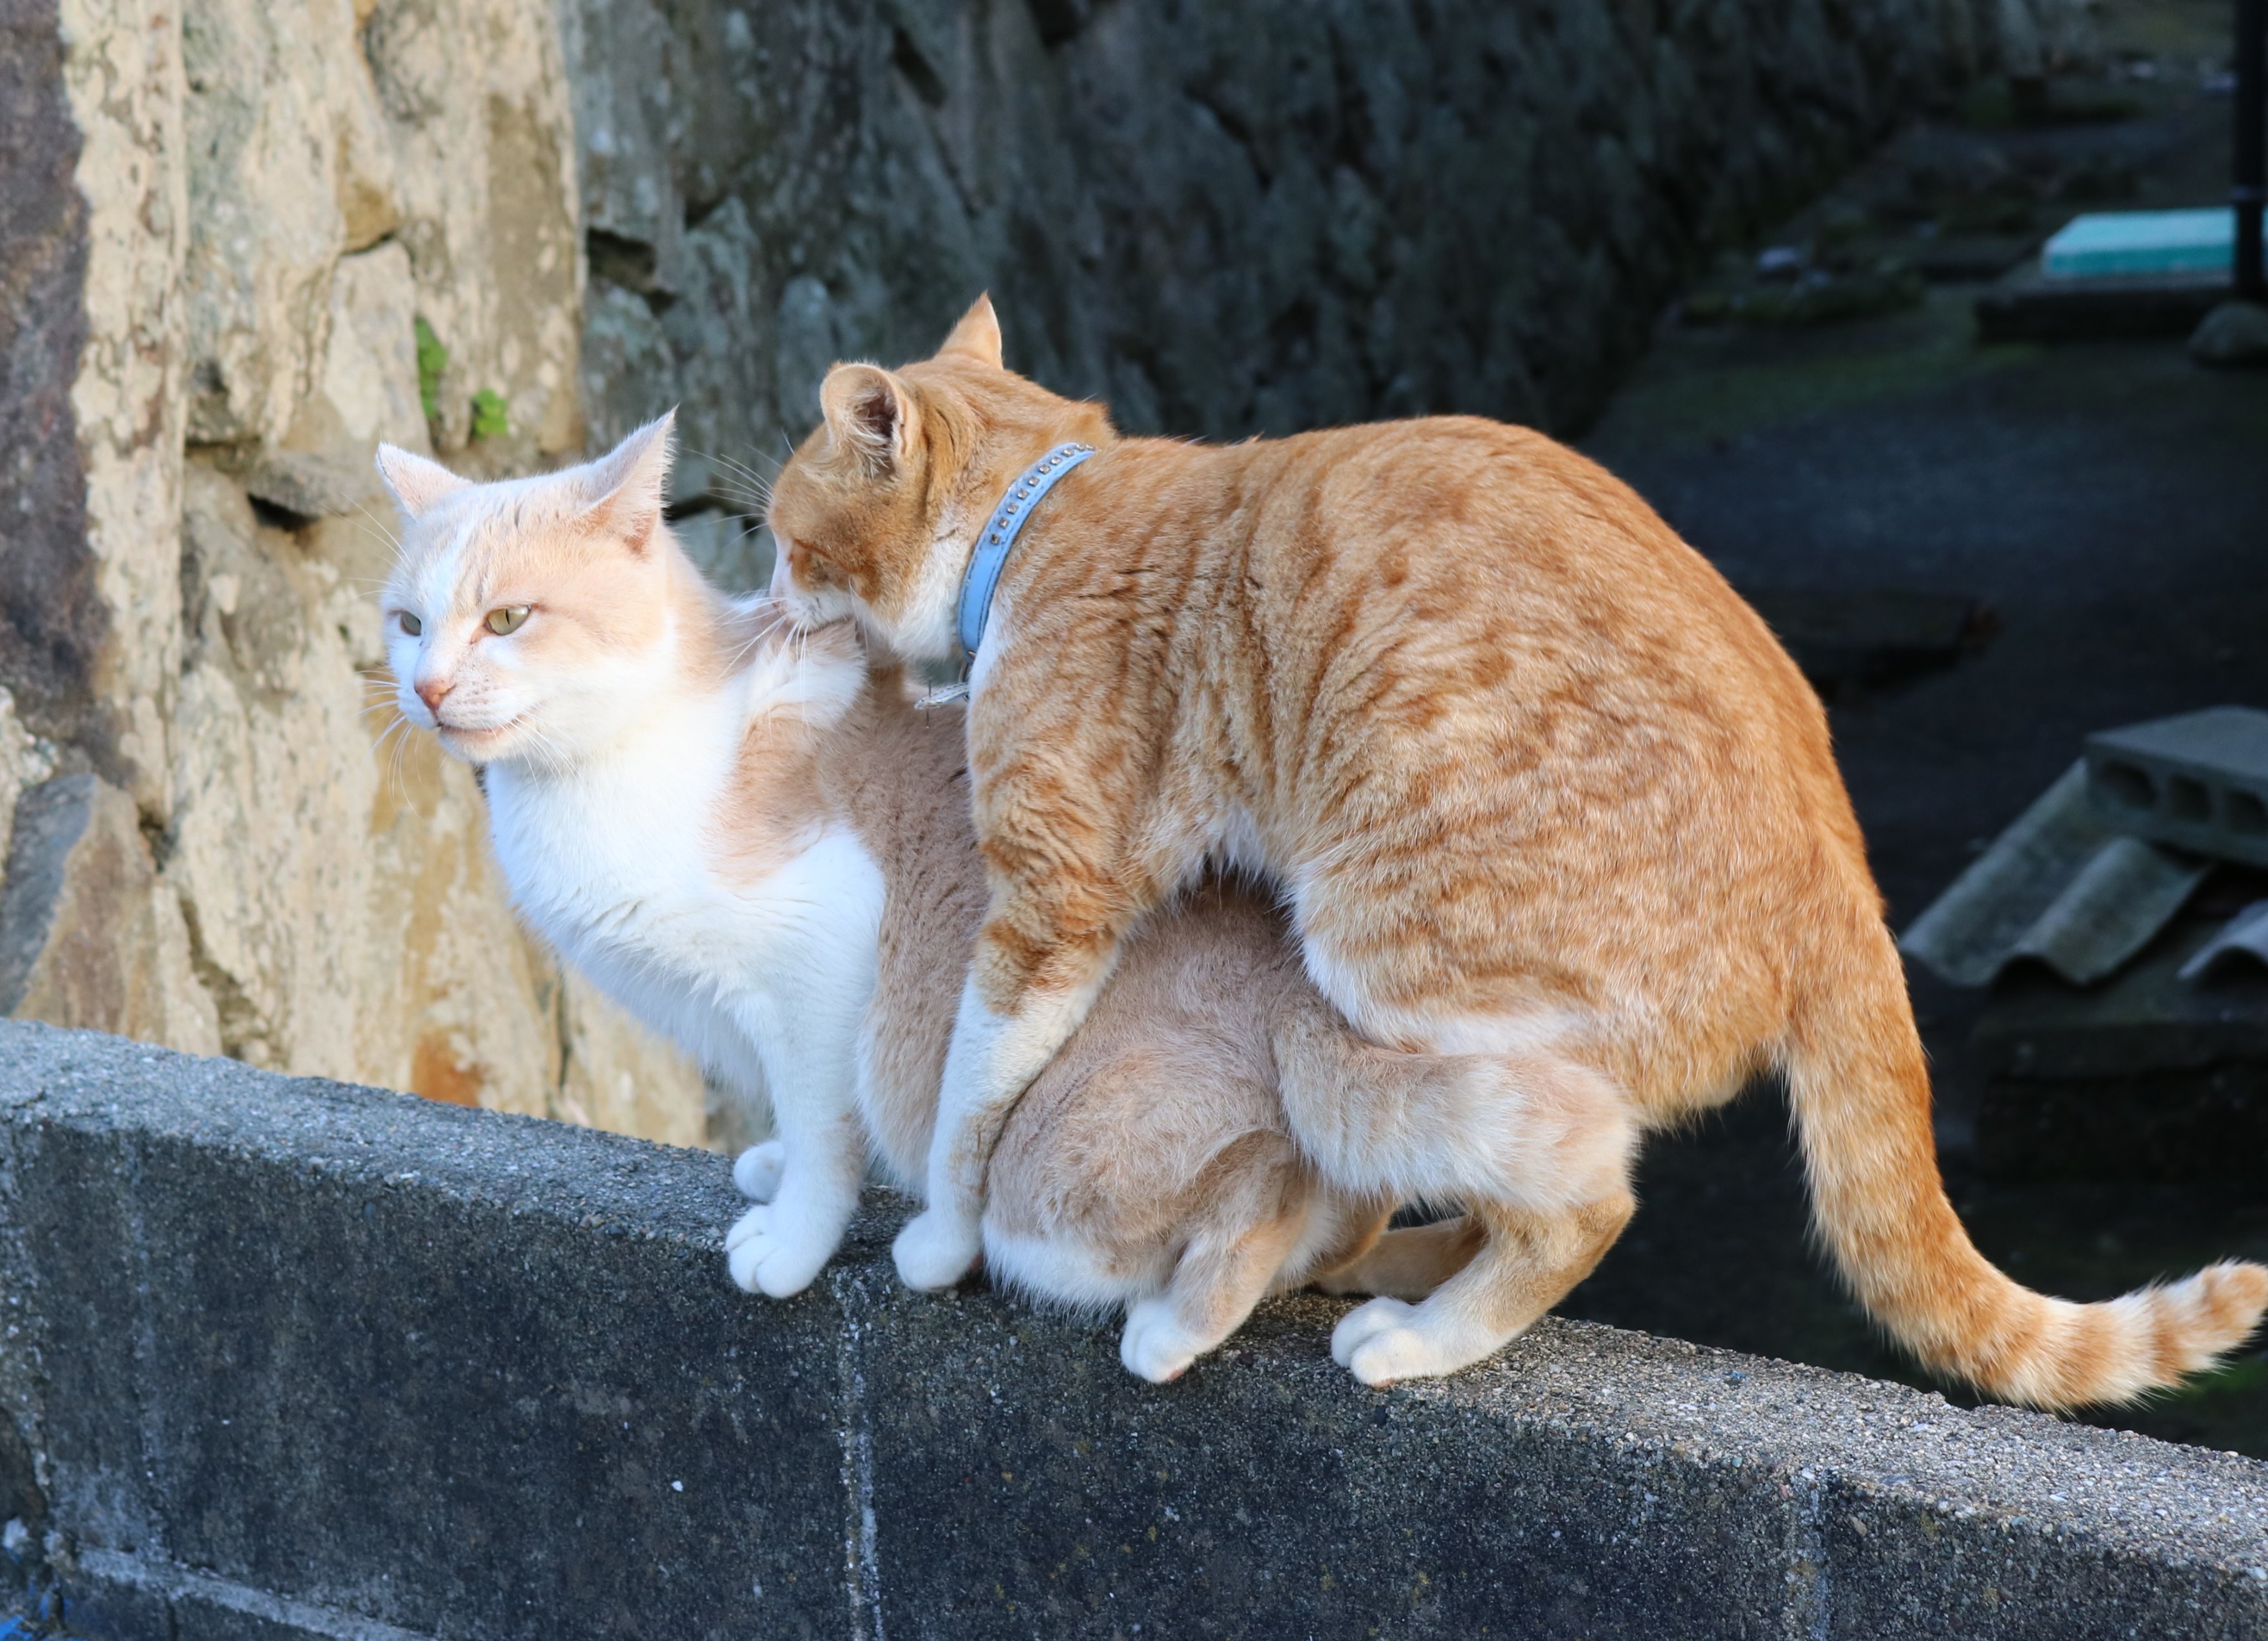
(431, 692)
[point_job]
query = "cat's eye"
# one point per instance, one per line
(507, 620)
(411, 625)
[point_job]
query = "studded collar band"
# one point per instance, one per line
(999, 537)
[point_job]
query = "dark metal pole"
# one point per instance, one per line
(2251, 143)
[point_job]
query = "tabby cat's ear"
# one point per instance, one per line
(415, 482)
(628, 487)
(869, 413)
(977, 335)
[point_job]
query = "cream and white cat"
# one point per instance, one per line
(764, 850)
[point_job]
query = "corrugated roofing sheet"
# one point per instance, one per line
(2062, 886)
(2244, 936)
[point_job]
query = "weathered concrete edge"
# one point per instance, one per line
(170, 1589)
(1889, 1491)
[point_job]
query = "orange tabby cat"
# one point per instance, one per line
(1535, 783)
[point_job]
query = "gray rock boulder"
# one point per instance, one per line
(2233, 334)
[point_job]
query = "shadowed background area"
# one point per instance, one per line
(2102, 499)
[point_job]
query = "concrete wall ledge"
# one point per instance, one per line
(287, 1359)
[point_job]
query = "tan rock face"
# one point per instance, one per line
(476, 94)
(281, 112)
(122, 70)
(321, 130)
(88, 935)
(246, 854)
(367, 390)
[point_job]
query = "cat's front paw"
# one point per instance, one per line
(758, 1169)
(935, 1250)
(1376, 1343)
(763, 1260)
(1154, 1346)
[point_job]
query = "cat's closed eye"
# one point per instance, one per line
(810, 566)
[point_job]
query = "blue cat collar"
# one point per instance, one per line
(999, 537)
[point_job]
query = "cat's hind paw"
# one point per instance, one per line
(763, 1260)
(935, 1250)
(1155, 1346)
(757, 1170)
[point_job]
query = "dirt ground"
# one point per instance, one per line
(2107, 499)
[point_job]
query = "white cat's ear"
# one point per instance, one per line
(628, 486)
(415, 482)
(977, 335)
(868, 413)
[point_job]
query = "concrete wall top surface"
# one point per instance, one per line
(287, 1358)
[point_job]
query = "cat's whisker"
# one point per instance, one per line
(397, 774)
(768, 617)
(377, 522)
(757, 455)
(741, 651)
(555, 754)
(749, 477)
(387, 750)
(397, 749)
(371, 525)
(753, 489)
(746, 471)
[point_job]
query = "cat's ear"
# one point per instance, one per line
(977, 335)
(869, 413)
(627, 487)
(415, 482)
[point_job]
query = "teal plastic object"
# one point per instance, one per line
(2128, 243)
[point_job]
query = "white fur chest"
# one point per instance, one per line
(616, 864)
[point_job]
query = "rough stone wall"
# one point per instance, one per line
(228, 223)
(241, 240)
(1223, 218)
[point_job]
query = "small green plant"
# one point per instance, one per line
(488, 420)
(432, 359)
